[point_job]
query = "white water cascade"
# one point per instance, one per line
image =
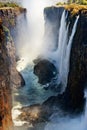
(62, 54)
(64, 48)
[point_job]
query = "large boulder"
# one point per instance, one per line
(45, 70)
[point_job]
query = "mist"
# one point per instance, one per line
(31, 31)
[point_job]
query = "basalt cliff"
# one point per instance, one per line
(9, 76)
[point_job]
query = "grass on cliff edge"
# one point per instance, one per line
(74, 8)
(8, 4)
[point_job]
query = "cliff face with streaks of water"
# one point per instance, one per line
(73, 97)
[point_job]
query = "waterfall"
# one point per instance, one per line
(64, 48)
(67, 59)
(62, 45)
(30, 47)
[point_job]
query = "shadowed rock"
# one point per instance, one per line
(45, 70)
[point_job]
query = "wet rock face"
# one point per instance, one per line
(52, 16)
(34, 114)
(45, 70)
(74, 93)
(78, 62)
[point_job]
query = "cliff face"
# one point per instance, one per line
(5, 90)
(9, 77)
(78, 61)
(52, 16)
(74, 93)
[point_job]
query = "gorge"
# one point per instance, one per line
(53, 66)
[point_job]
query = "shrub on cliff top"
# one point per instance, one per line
(84, 2)
(75, 8)
(8, 4)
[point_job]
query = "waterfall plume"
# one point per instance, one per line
(64, 49)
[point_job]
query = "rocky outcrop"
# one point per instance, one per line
(9, 76)
(8, 18)
(16, 79)
(45, 70)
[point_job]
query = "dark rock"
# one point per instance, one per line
(45, 70)
(78, 63)
(39, 113)
(22, 79)
(17, 58)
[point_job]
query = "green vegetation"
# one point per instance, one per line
(75, 8)
(7, 34)
(61, 3)
(8, 4)
(81, 2)
(84, 2)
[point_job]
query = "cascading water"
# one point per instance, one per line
(64, 47)
(67, 59)
(61, 51)
(30, 40)
(62, 54)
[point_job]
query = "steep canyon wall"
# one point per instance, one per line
(9, 76)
